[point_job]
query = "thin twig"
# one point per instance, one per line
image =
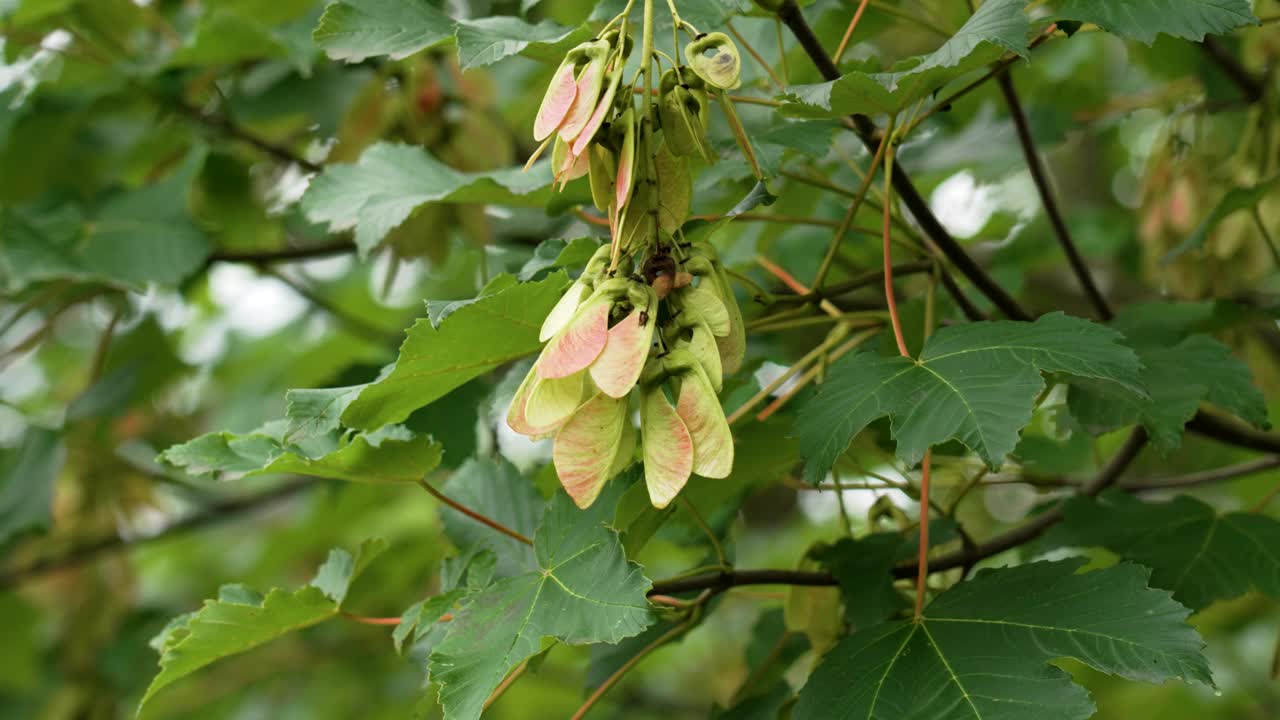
(209, 515)
(777, 81)
(848, 33)
(267, 257)
(507, 682)
(706, 529)
(484, 519)
(1249, 86)
(230, 128)
(626, 667)
(1049, 200)
(1033, 528)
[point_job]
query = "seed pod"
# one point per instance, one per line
(602, 171)
(705, 263)
(625, 181)
(618, 368)
(579, 343)
(683, 112)
(556, 101)
(675, 189)
(702, 414)
(551, 410)
(588, 445)
(708, 305)
(600, 113)
(590, 80)
(668, 447)
(715, 59)
(702, 345)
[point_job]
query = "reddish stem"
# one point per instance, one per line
(473, 514)
(844, 41)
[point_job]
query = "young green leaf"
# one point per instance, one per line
(581, 590)
(1180, 371)
(974, 383)
(1145, 19)
(981, 650)
(380, 190)
(353, 30)
(1198, 554)
(241, 620)
(486, 40)
(997, 27)
(393, 454)
(475, 339)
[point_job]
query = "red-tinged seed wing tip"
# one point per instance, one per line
(668, 449)
(584, 100)
(702, 414)
(585, 448)
(616, 370)
(595, 121)
(555, 103)
(579, 344)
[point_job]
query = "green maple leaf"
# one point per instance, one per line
(380, 191)
(981, 649)
(1198, 554)
(392, 454)
(974, 383)
(998, 26)
(1145, 19)
(474, 339)
(1180, 371)
(241, 619)
(353, 30)
(580, 589)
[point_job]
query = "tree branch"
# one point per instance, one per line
(1047, 198)
(1250, 86)
(231, 129)
(1026, 532)
(266, 257)
(790, 15)
(214, 513)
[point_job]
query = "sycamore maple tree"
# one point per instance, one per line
(837, 359)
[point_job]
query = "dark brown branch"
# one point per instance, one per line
(231, 129)
(1035, 527)
(965, 557)
(212, 514)
(871, 136)
(1233, 433)
(1251, 87)
(266, 257)
(1047, 198)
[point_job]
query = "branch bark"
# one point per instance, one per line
(212, 514)
(1047, 198)
(966, 557)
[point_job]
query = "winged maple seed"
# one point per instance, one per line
(605, 345)
(659, 340)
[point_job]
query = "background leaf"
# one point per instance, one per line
(974, 383)
(1195, 552)
(981, 649)
(581, 590)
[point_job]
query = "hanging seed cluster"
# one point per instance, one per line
(652, 324)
